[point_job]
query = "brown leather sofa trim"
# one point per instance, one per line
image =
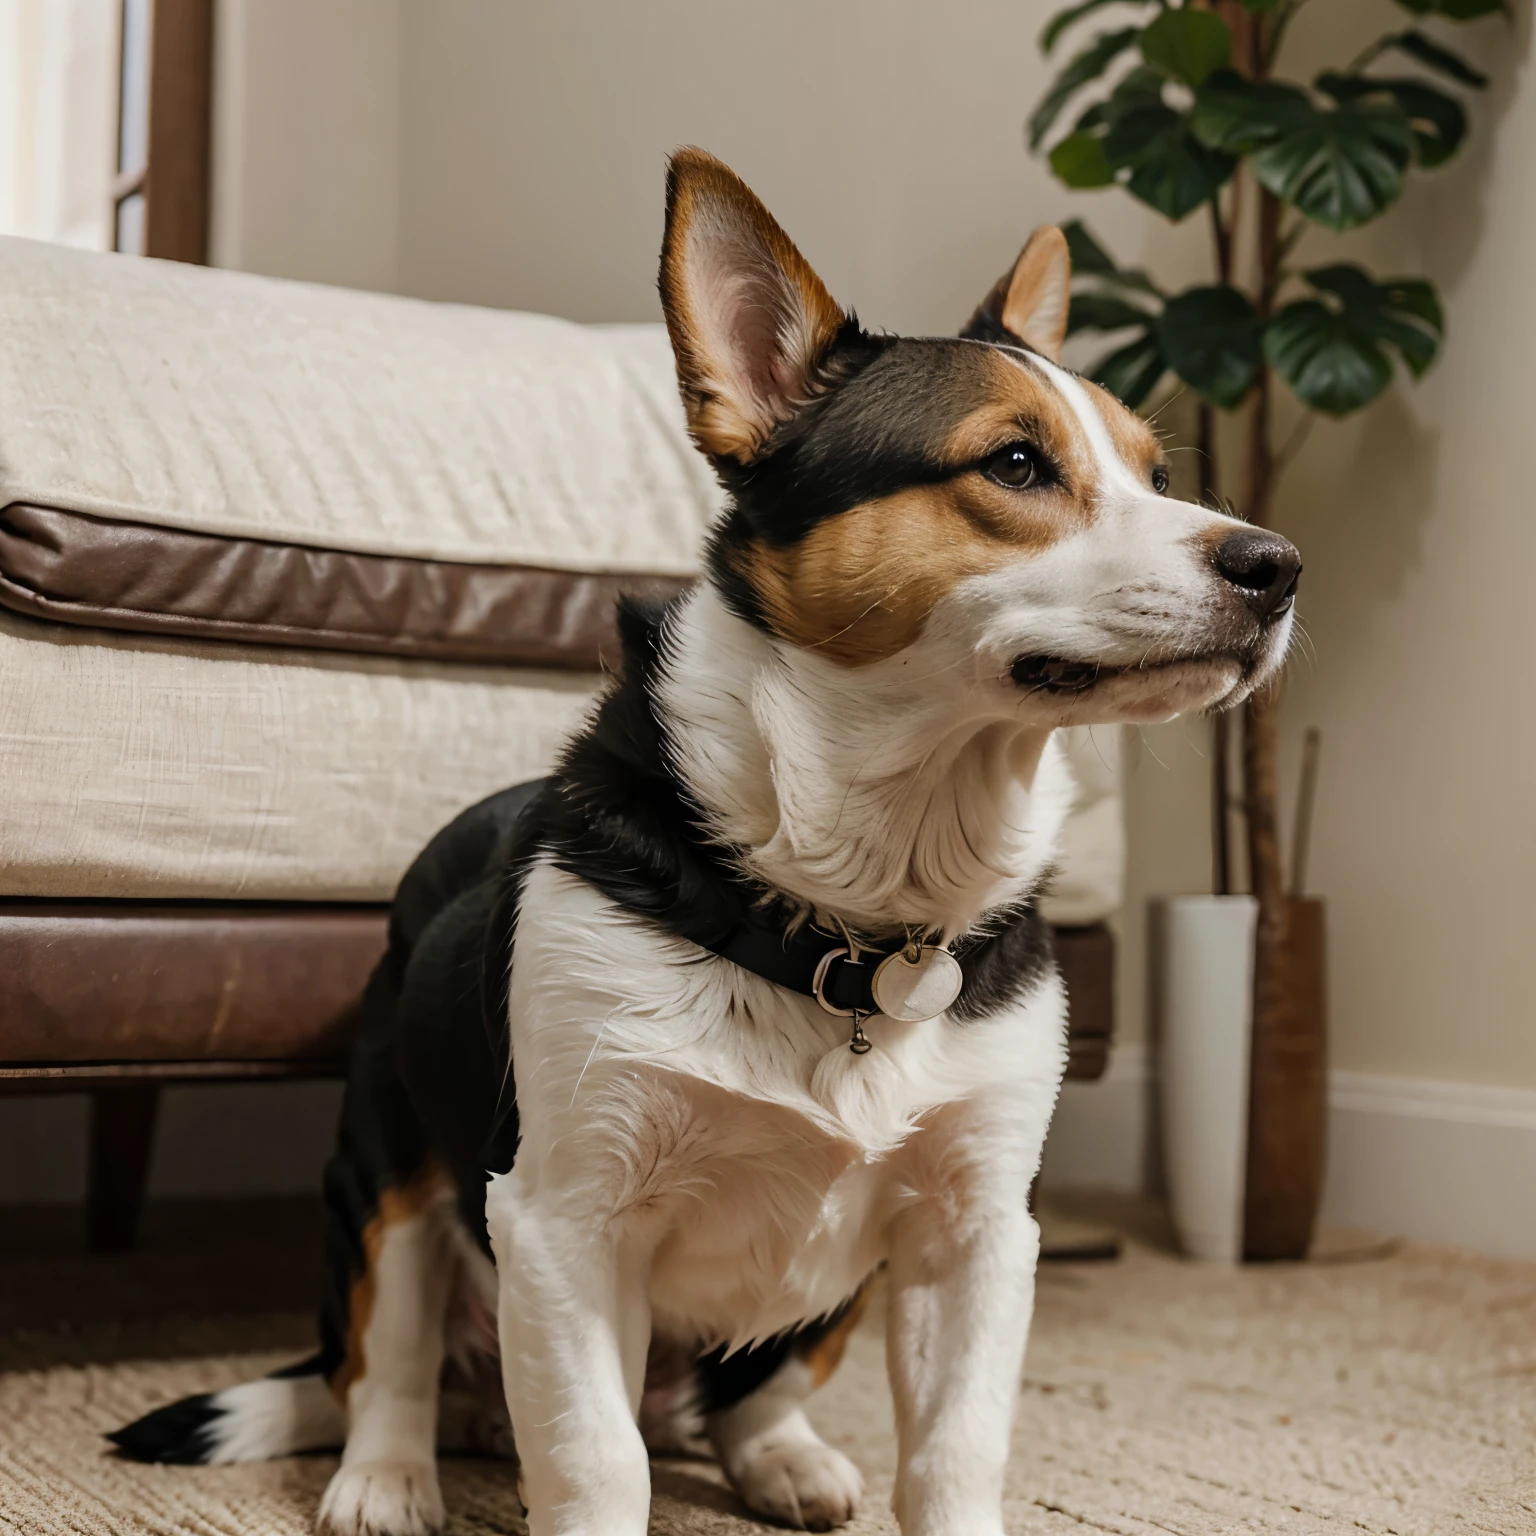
(141, 982)
(77, 569)
(1087, 959)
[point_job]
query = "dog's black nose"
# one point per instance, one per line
(1262, 566)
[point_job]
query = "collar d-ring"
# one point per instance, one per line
(819, 981)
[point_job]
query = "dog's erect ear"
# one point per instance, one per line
(750, 321)
(1031, 301)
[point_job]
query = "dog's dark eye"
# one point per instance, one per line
(1160, 479)
(1017, 466)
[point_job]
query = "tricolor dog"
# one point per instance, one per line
(674, 1050)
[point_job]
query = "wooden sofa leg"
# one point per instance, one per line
(122, 1133)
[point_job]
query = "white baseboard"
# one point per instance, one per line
(1442, 1162)
(1437, 1161)
(1103, 1135)
(1445, 1162)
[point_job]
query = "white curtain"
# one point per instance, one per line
(58, 119)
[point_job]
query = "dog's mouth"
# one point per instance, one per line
(1057, 675)
(1063, 678)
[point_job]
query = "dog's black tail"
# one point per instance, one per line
(277, 1416)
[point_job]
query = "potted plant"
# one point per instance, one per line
(1185, 107)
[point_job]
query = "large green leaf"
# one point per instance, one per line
(1328, 364)
(1439, 123)
(1170, 169)
(1213, 339)
(1088, 256)
(1132, 372)
(1187, 44)
(1240, 115)
(1081, 70)
(1090, 259)
(1346, 168)
(1402, 311)
(1341, 167)
(1430, 54)
(1332, 350)
(1078, 161)
(1104, 312)
(1146, 144)
(1138, 87)
(1063, 20)
(1457, 10)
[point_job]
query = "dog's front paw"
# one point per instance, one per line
(383, 1498)
(801, 1483)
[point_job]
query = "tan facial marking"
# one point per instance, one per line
(397, 1203)
(860, 586)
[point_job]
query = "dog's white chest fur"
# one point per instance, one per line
(722, 1123)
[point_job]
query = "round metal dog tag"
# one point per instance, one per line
(918, 989)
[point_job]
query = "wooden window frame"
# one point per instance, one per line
(175, 178)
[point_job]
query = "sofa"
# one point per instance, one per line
(289, 575)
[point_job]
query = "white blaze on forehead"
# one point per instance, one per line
(1113, 470)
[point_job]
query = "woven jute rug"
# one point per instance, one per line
(1393, 1393)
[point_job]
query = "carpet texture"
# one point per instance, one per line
(1395, 1393)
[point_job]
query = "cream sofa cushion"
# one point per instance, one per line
(240, 406)
(152, 768)
(224, 403)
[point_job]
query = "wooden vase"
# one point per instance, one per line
(1288, 1094)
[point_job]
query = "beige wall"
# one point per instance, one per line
(306, 148)
(511, 153)
(885, 134)
(1416, 524)
(887, 137)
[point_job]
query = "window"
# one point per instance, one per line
(164, 96)
(132, 128)
(104, 123)
(58, 103)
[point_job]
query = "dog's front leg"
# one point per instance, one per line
(574, 1321)
(962, 1287)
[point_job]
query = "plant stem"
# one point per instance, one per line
(1254, 48)
(1260, 725)
(1221, 724)
(1221, 806)
(1221, 235)
(1261, 453)
(1289, 239)
(1210, 491)
(1249, 54)
(1261, 458)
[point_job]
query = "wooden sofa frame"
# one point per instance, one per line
(121, 999)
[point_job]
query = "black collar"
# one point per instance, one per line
(840, 975)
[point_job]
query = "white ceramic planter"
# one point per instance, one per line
(1207, 1015)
